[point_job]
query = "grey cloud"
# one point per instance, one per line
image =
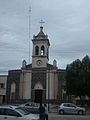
(67, 23)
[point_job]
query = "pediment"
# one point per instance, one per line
(38, 85)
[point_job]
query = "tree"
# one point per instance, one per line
(85, 74)
(72, 77)
(78, 77)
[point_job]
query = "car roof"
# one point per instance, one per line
(8, 106)
(67, 103)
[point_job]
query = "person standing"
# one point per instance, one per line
(41, 112)
(46, 111)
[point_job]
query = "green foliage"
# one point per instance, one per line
(78, 77)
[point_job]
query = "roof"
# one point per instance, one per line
(29, 66)
(62, 70)
(41, 34)
(49, 67)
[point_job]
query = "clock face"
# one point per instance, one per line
(39, 62)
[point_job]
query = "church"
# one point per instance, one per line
(38, 81)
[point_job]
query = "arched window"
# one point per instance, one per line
(36, 50)
(13, 87)
(42, 50)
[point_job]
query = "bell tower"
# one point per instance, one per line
(40, 55)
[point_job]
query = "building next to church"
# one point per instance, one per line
(38, 81)
(3, 83)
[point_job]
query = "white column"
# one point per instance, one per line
(27, 92)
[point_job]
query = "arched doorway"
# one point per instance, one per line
(38, 96)
(38, 92)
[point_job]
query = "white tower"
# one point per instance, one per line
(40, 55)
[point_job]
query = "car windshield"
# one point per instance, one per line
(22, 110)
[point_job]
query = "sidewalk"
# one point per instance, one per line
(88, 110)
(53, 109)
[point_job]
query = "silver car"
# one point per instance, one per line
(69, 108)
(16, 113)
(31, 107)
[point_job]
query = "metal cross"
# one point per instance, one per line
(41, 22)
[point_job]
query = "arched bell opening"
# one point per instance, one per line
(42, 50)
(36, 50)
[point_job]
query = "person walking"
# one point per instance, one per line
(41, 112)
(46, 111)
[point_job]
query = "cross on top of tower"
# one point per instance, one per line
(41, 22)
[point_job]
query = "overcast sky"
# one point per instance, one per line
(67, 24)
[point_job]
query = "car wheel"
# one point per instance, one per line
(61, 112)
(80, 112)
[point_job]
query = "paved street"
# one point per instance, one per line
(55, 116)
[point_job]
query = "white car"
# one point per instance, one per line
(31, 107)
(70, 108)
(16, 113)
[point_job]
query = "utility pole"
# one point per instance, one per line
(29, 31)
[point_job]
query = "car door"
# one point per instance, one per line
(73, 108)
(66, 108)
(69, 108)
(10, 114)
(6, 117)
(2, 114)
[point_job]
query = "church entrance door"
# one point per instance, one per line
(38, 96)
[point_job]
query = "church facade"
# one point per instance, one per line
(38, 81)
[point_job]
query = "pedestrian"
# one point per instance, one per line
(41, 112)
(46, 111)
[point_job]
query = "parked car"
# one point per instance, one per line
(31, 107)
(16, 113)
(69, 108)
